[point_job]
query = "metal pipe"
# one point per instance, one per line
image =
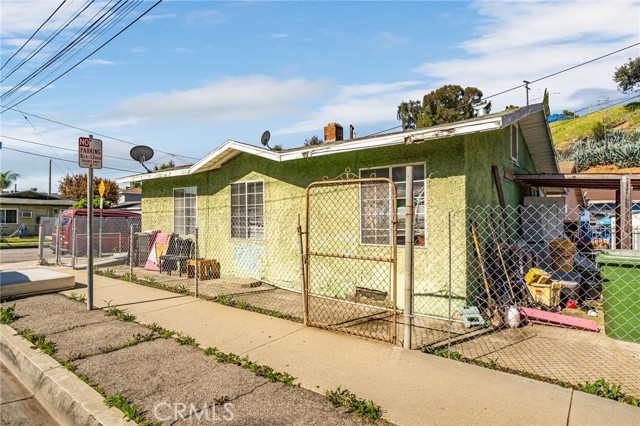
(41, 243)
(131, 228)
(408, 259)
(302, 272)
(196, 268)
(450, 295)
(73, 243)
(90, 236)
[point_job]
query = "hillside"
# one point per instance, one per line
(624, 117)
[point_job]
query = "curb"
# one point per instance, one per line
(67, 398)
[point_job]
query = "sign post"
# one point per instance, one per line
(101, 189)
(90, 157)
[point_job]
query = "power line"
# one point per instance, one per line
(604, 106)
(92, 132)
(33, 35)
(564, 70)
(86, 57)
(64, 159)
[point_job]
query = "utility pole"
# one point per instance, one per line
(49, 178)
(526, 88)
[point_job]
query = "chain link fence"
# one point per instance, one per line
(351, 257)
(534, 289)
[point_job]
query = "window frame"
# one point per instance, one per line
(173, 209)
(5, 217)
(514, 142)
(246, 206)
(28, 214)
(390, 168)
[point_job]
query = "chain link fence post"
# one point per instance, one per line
(58, 241)
(197, 265)
(74, 240)
(408, 260)
(41, 242)
(131, 254)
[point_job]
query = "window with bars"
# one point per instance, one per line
(247, 210)
(375, 205)
(8, 216)
(184, 210)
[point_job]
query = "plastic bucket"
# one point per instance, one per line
(562, 253)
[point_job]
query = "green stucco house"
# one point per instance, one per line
(246, 200)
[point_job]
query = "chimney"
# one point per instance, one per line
(332, 132)
(351, 129)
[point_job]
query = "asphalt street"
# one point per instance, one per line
(18, 255)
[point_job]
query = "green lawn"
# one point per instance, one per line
(568, 131)
(19, 242)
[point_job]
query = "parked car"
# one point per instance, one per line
(111, 231)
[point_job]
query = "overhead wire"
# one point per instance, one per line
(32, 35)
(86, 57)
(88, 33)
(182, 157)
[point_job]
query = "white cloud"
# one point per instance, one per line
(184, 50)
(205, 17)
(99, 62)
(279, 35)
(359, 104)
(157, 17)
(529, 40)
(388, 39)
(232, 98)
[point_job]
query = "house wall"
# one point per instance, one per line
(458, 173)
(32, 222)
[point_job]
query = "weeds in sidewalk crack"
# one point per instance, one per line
(366, 409)
(130, 410)
(113, 311)
(39, 341)
(8, 314)
(77, 297)
(183, 339)
(138, 338)
(259, 370)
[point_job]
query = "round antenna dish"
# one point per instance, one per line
(264, 140)
(141, 153)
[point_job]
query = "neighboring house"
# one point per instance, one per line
(574, 197)
(263, 192)
(129, 199)
(27, 207)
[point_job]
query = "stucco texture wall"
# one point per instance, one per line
(458, 175)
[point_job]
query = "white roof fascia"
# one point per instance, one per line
(152, 175)
(230, 146)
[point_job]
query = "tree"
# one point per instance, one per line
(627, 76)
(74, 187)
(277, 147)
(164, 166)
(408, 113)
(135, 184)
(447, 104)
(82, 204)
(545, 102)
(7, 179)
(313, 140)
(598, 130)
(511, 107)
(569, 114)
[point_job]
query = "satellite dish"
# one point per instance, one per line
(264, 140)
(141, 153)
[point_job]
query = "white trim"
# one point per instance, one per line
(5, 217)
(514, 158)
(390, 169)
(26, 214)
(264, 221)
(173, 208)
(230, 148)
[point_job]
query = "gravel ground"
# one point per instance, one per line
(159, 375)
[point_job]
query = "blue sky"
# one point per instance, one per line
(192, 74)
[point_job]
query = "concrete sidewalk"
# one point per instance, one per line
(412, 388)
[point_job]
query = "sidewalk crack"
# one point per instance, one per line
(570, 405)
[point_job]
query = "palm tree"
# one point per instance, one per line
(7, 178)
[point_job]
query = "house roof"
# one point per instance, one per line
(603, 196)
(31, 195)
(531, 120)
(9, 201)
(130, 191)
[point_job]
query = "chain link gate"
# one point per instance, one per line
(351, 257)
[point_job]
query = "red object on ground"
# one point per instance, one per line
(571, 304)
(538, 316)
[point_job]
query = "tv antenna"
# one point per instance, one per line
(264, 140)
(142, 153)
